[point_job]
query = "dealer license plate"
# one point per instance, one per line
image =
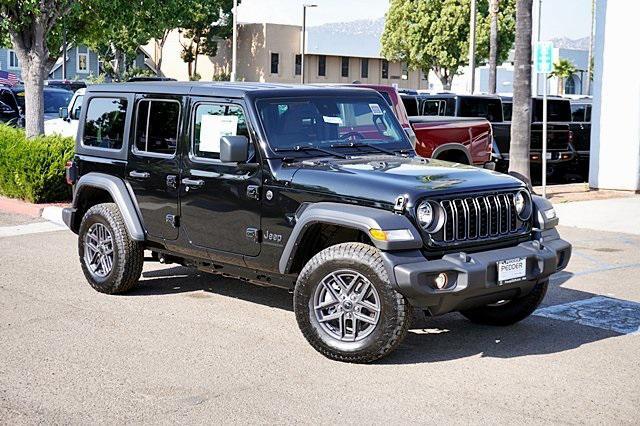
(548, 155)
(511, 270)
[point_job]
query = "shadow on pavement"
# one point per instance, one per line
(430, 339)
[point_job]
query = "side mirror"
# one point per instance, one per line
(75, 114)
(63, 113)
(234, 149)
(6, 109)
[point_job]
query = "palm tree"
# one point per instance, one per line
(494, 7)
(521, 118)
(562, 70)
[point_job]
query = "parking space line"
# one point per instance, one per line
(31, 228)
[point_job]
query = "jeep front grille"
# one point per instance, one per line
(476, 218)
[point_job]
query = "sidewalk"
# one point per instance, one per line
(50, 212)
(614, 215)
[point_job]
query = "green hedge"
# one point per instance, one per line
(33, 169)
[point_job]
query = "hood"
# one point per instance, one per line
(384, 178)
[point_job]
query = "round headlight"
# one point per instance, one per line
(425, 215)
(523, 205)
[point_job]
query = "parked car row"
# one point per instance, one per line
(12, 103)
(568, 127)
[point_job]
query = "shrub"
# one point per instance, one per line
(33, 169)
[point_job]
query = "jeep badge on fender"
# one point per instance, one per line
(362, 230)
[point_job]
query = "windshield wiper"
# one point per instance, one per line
(301, 148)
(363, 145)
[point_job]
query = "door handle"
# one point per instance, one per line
(197, 183)
(139, 175)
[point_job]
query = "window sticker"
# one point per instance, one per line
(332, 120)
(213, 127)
(375, 109)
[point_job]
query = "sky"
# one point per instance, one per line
(560, 18)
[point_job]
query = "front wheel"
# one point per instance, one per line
(508, 312)
(346, 307)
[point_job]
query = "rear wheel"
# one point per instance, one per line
(508, 312)
(111, 261)
(346, 307)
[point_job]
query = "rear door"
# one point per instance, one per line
(154, 162)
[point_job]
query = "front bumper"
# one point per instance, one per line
(473, 278)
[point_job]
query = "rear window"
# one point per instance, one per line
(507, 111)
(157, 127)
(105, 123)
(557, 110)
(411, 105)
(491, 109)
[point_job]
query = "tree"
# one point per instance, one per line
(521, 115)
(433, 34)
(31, 25)
(494, 7)
(114, 28)
(562, 70)
(205, 24)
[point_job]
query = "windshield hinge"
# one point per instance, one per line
(401, 203)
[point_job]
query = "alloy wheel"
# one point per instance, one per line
(98, 250)
(347, 305)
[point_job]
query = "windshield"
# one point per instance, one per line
(53, 99)
(322, 121)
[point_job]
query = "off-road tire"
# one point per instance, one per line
(128, 254)
(510, 312)
(395, 313)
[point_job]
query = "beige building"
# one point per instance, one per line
(271, 53)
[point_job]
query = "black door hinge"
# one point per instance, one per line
(253, 234)
(172, 220)
(172, 181)
(253, 192)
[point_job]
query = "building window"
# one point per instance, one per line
(13, 60)
(385, 68)
(275, 63)
(364, 68)
(105, 123)
(345, 66)
(157, 127)
(82, 61)
(405, 71)
(298, 64)
(322, 66)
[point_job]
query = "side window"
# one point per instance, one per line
(587, 116)
(211, 122)
(432, 107)
(157, 127)
(74, 114)
(105, 123)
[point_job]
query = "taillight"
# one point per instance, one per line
(71, 172)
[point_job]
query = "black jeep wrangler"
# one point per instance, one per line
(313, 189)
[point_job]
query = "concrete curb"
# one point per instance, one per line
(50, 212)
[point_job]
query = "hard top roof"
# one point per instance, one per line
(449, 95)
(223, 89)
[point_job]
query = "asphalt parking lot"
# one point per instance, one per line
(186, 347)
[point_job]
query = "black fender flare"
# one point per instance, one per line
(351, 216)
(453, 146)
(120, 194)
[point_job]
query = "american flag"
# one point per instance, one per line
(9, 78)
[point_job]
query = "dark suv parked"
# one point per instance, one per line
(313, 189)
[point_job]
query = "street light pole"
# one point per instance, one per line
(234, 48)
(304, 36)
(472, 46)
(534, 85)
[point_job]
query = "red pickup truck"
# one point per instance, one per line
(456, 139)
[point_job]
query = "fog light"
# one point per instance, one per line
(441, 280)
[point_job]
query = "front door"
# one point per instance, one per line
(154, 163)
(220, 203)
